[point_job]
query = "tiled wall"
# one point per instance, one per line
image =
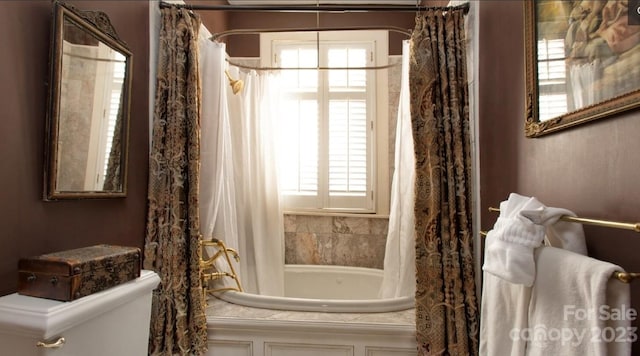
(395, 73)
(338, 240)
(335, 240)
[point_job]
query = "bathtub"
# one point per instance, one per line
(330, 289)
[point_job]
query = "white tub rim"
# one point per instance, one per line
(320, 305)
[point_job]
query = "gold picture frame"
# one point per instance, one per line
(582, 62)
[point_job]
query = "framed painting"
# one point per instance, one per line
(582, 61)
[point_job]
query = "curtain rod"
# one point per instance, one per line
(318, 8)
(606, 223)
(244, 66)
(256, 31)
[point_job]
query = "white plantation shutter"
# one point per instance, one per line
(327, 126)
(348, 159)
(114, 104)
(299, 147)
(551, 79)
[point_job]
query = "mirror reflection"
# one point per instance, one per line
(89, 111)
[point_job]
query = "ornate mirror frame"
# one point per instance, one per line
(87, 130)
(594, 70)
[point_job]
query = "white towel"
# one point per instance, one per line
(524, 223)
(509, 245)
(503, 309)
(504, 306)
(571, 306)
(558, 233)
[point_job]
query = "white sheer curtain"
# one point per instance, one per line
(239, 196)
(399, 259)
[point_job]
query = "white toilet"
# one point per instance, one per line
(112, 322)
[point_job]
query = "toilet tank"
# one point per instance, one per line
(112, 322)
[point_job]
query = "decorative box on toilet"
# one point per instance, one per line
(112, 322)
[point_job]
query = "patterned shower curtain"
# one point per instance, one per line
(447, 320)
(178, 322)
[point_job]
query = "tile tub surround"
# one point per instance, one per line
(238, 330)
(335, 240)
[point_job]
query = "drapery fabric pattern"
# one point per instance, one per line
(178, 322)
(447, 320)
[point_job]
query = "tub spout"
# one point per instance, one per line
(211, 273)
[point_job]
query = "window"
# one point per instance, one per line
(551, 79)
(107, 91)
(332, 153)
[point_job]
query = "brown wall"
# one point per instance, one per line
(249, 45)
(593, 169)
(31, 226)
(214, 21)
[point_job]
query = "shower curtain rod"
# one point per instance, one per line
(316, 8)
(244, 66)
(257, 31)
(625, 277)
(254, 31)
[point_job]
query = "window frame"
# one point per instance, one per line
(380, 177)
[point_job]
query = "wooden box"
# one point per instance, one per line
(72, 274)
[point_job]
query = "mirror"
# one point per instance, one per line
(88, 111)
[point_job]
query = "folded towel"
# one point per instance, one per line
(510, 244)
(508, 256)
(558, 233)
(570, 313)
(510, 269)
(524, 223)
